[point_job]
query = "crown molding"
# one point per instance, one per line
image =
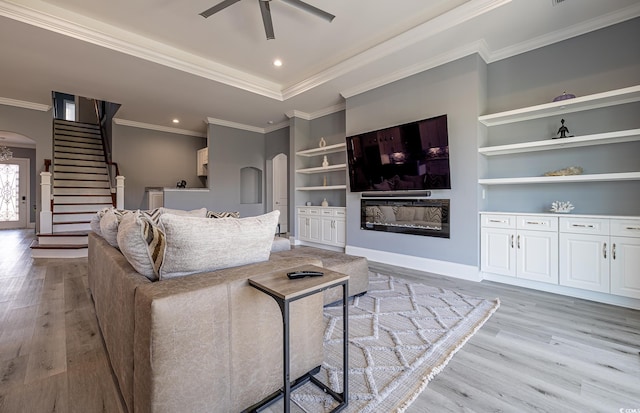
(480, 47)
(24, 104)
(277, 126)
(439, 24)
(317, 114)
(150, 126)
(234, 125)
(579, 29)
(86, 29)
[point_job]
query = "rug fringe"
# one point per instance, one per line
(436, 370)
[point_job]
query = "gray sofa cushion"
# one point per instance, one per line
(142, 242)
(195, 245)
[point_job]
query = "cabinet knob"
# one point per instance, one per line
(613, 251)
(582, 226)
(633, 228)
(518, 241)
(512, 241)
(604, 250)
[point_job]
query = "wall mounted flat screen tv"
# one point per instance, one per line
(412, 156)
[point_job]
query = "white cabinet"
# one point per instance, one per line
(333, 226)
(584, 253)
(322, 225)
(156, 198)
(625, 257)
(202, 162)
(601, 254)
(522, 246)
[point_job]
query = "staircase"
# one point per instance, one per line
(81, 187)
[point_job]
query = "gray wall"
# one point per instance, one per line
(36, 125)
(34, 178)
(453, 89)
(154, 159)
(230, 150)
(596, 62)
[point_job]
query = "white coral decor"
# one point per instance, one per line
(560, 206)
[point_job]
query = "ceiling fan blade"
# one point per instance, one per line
(217, 8)
(311, 9)
(265, 9)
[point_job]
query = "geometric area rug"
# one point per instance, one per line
(401, 335)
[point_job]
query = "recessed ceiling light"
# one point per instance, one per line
(277, 63)
(176, 121)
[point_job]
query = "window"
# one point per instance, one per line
(70, 110)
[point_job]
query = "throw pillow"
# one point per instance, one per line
(142, 243)
(109, 225)
(213, 214)
(196, 245)
(202, 212)
(95, 221)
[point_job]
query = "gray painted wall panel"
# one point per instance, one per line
(154, 159)
(452, 89)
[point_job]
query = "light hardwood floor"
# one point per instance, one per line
(538, 353)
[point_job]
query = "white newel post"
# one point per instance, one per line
(120, 192)
(46, 215)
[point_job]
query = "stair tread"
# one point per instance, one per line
(71, 222)
(66, 234)
(36, 245)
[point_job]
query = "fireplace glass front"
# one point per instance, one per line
(427, 217)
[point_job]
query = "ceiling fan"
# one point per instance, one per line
(265, 9)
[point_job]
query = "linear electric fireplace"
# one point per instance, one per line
(427, 217)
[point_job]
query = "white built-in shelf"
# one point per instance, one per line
(320, 188)
(595, 101)
(338, 147)
(321, 169)
(564, 143)
(620, 176)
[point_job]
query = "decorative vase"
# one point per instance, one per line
(325, 203)
(325, 162)
(322, 143)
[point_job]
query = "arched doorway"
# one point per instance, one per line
(15, 174)
(280, 195)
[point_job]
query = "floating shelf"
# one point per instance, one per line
(595, 101)
(320, 169)
(320, 188)
(338, 147)
(564, 143)
(621, 176)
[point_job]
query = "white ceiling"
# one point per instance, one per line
(161, 60)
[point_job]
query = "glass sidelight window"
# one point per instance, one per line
(9, 192)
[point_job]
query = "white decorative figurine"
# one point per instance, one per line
(322, 143)
(325, 203)
(325, 162)
(561, 207)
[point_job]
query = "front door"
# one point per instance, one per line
(13, 193)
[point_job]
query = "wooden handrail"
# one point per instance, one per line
(47, 165)
(116, 165)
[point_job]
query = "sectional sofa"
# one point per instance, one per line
(206, 341)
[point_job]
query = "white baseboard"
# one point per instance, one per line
(562, 290)
(449, 269)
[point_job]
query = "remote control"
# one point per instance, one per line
(301, 274)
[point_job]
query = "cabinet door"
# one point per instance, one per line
(625, 266)
(202, 161)
(498, 251)
(303, 227)
(537, 256)
(315, 231)
(328, 232)
(340, 227)
(584, 261)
